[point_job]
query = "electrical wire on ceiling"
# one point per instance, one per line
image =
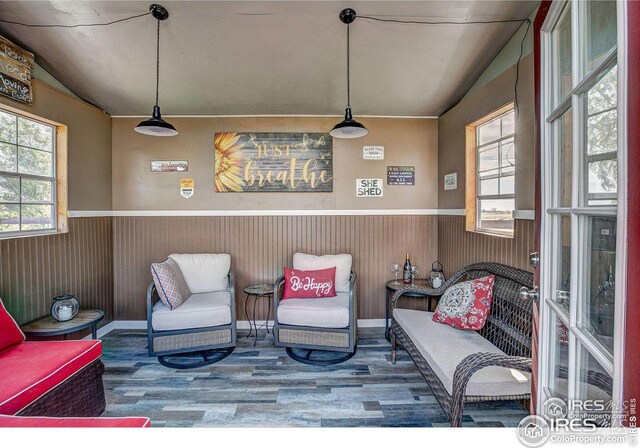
(79, 25)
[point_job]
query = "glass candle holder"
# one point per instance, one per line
(64, 307)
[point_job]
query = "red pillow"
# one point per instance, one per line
(10, 333)
(466, 305)
(300, 284)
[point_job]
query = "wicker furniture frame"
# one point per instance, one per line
(212, 343)
(340, 340)
(80, 395)
(508, 327)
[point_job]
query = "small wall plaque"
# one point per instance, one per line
(373, 152)
(369, 188)
(169, 166)
(451, 181)
(401, 175)
(186, 188)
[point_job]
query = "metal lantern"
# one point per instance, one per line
(436, 276)
(64, 307)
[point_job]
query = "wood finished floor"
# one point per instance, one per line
(263, 387)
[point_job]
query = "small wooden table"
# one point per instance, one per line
(48, 326)
(392, 287)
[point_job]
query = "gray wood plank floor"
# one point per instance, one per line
(262, 387)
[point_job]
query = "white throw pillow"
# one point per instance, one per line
(204, 272)
(342, 263)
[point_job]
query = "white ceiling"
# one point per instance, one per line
(269, 57)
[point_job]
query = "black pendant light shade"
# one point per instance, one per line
(155, 125)
(348, 128)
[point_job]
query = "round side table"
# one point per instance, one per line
(258, 292)
(48, 326)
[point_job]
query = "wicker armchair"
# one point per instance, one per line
(308, 327)
(508, 328)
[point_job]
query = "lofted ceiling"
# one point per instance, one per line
(266, 57)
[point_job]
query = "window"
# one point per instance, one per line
(491, 170)
(29, 173)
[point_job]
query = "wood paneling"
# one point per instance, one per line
(459, 248)
(80, 262)
(261, 245)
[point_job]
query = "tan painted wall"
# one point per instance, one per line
(451, 135)
(406, 142)
(89, 153)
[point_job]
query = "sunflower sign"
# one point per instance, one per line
(273, 162)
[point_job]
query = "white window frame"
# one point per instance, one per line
(549, 246)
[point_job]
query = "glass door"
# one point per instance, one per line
(579, 228)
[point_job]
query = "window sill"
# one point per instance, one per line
(489, 233)
(32, 234)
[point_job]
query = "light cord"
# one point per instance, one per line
(158, 63)
(80, 25)
(348, 69)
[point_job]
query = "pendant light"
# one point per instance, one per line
(348, 128)
(156, 125)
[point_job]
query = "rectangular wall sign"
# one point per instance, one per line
(186, 188)
(273, 162)
(373, 152)
(169, 166)
(451, 181)
(401, 175)
(369, 188)
(16, 66)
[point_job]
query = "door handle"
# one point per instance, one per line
(529, 294)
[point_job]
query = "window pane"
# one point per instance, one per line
(9, 189)
(604, 94)
(36, 191)
(489, 131)
(602, 132)
(566, 155)
(488, 187)
(496, 215)
(562, 58)
(34, 134)
(563, 286)
(507, 185)
(560, 356)
(601, 30)
(8, 157)
(508, 123)
(7, 127)
(599, 309)
(594, 383)
(603, 181)
(488, 158)
(33, 161)
(507, 153)
(9, 218)
(37, 217)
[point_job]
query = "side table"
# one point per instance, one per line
(258, 292)
(392, 287)
(48, 326)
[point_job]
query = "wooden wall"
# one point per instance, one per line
(261, 246)
(459, 248)
(33, 270)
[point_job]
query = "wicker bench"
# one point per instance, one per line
(491, 364)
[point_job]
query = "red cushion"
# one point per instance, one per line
(466, 305)
(10, 333)
(31, 369)
(300, 284)
(7, 421)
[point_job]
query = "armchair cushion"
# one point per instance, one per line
(204, 272)
(326, 312)
(341, 262)
(170, 284)
(10, 333)
(203, 310)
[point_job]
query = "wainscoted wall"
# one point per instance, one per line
(459, 248)
(261, 245)
(33, 270)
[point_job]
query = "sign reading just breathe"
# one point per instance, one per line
(273, 162)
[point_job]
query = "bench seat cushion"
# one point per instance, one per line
(31, 369)
(444, 347)
(325, 312)
(209, 309)
(73, 422)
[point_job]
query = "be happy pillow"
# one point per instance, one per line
(299, 284)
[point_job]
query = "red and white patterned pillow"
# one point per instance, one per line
(299, 284)
(466, 305)
(170, 283)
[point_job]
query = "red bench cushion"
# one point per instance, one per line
(31, 369)
(10, 333)
(73, 422)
